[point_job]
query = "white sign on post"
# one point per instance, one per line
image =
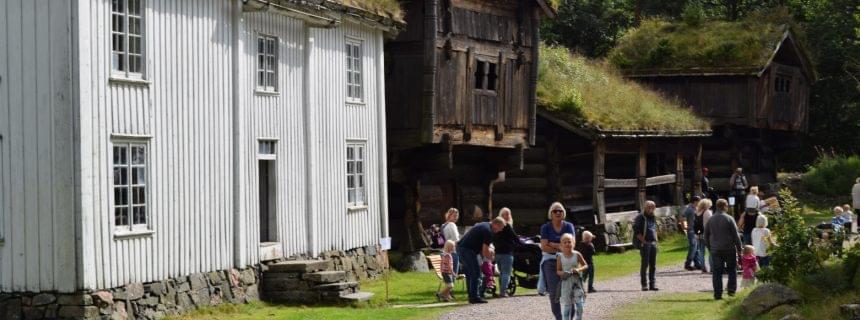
(385, 243)
(731, 201)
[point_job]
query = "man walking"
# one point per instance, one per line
(645, 230)
(477, 241)
(694, 261)
(739, 184)
(721, 237)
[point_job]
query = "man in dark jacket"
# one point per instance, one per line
(721, 237)
(645, 230)
(477, 241)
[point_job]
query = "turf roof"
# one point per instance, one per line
(593, 96)
(384, 8)
(711, 46)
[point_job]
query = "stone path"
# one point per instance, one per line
(611, 295)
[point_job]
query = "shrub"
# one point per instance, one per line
(797, 254)
(832, 175)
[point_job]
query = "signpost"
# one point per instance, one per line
(385, 245)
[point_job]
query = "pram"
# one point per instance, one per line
(527, 257)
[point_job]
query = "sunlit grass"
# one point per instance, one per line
(671, 251)
(593, 94)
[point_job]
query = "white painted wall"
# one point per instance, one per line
(60, 110)
(36, 151)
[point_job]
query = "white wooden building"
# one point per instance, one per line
(147, 139)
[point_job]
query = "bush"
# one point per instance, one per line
(796, 254)
(832, 175)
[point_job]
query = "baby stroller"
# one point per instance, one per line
(527, 257)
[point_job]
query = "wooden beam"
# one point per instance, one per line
(501, 98)
(634, 183)
(697, 170)
(679, 179)
(641, 171)
(598, 204)
(620, 183)
(470, 96)
(660, 180)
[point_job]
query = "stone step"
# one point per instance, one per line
(325, 276)
(360, 296)
(301, 266)
(337, 286)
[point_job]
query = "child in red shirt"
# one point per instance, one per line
(749, 263)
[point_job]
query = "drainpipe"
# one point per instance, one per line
(308, 115)
(381, 138)
(499, 178)
(240, 230)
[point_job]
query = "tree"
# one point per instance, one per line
(590, 27)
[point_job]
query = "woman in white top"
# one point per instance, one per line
(761, 240)
(752, 202)
(450, 232)
(703, 214)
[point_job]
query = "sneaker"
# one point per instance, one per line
(644, 288)
(653, 289)
(689, 268)
(591, 290)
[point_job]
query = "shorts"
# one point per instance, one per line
(448, 279)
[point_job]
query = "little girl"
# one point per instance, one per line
(488, 283)
(447, 269)
(569, 266)
(749, 263)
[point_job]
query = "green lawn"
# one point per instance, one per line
(672, 250)
(261, 310)
(683, 306)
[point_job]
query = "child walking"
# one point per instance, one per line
(488, 270)
(586, 248)
(762, 240)
(749, 263)
(570, 266)
(447, 269)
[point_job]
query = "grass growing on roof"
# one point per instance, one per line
(595, 95)
(659, 44)
(390, 8)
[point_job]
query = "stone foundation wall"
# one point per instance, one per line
(359, 264)
(153, 300)
(615, 233)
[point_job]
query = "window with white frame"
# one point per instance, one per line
(127, 38)
(355, 178)
(354, 91)
(129, 186)
(267, 63)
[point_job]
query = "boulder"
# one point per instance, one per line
(413, 262)
(43, 299)
(782, 311)
(850, 311)
(768, 296)
(134, 291)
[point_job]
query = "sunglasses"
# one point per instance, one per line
(558, 211)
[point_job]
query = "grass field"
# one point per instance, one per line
(672, 250)
(683, 306)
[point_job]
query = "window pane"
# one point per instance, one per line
(350, 195)
(134, 25)
(350, 167)
(350, 152)
(361, 181)
(138, 176)
(120, 196)
(361, 152)
(117, 175)
(140, 215)
(359, 166)
(138, 195)
(261, 78)
(359, 198)
(350, 181)
(118, 155)
(116, 6)
(270, 79)
(133, 7)
(121, 216)
(138, 155)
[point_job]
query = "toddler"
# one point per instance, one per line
(447, 269)
(570, 266)
(586, 248)
(749, 263)
(487, 269)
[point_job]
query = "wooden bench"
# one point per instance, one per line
(435, 261)
(620, 247)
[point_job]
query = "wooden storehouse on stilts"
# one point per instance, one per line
(462, 109)
(604, 147)
(751, 79)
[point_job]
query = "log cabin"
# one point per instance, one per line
(751, 79)
(604, 146)
(463, 110)
(154, 153)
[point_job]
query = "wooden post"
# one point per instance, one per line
(641, 176)
(679, 178)
(697, 171)
(598, 203)
(470, 96)
(501, 85)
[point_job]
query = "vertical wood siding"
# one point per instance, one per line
(276, 116)
(36, 152)
(335, 122)
(186, 110)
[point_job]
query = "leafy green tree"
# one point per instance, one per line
(590, 27)
(797, 254)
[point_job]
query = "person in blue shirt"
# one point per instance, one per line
(550, 244)
(645, 229)
(477, 241)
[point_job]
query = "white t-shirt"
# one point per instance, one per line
(450, 232)
(759, 242)
(752, 201)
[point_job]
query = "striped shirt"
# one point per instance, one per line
(447, 265)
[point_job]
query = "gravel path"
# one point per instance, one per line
(600, 305)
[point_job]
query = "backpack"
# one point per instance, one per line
(437, 240)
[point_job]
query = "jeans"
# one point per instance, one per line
(456, 264)
(700, 254)
(472, 270)
(694, 258)
(725, 262)
(763, 262)
(747, 238)
(648, 253)
(552, 281)
(568, 310)
(588, 276)
(506, 267)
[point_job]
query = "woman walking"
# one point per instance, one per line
(747, 222)
(703, 214)
(550, 244)
(451, 233)
(505, 242)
